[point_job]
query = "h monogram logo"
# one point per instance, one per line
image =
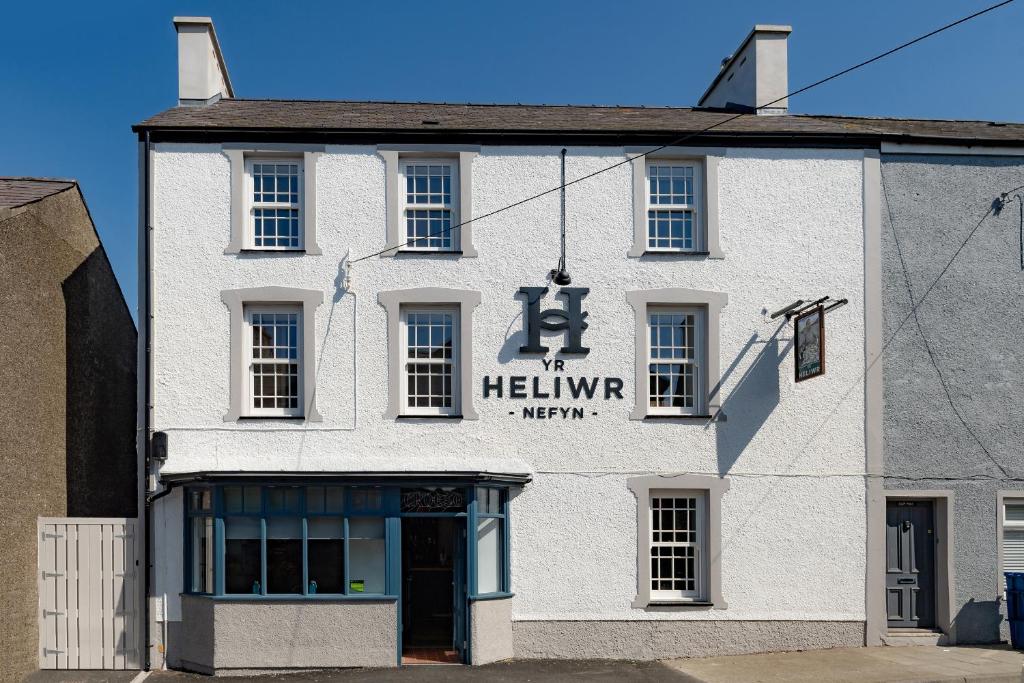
(570, 319)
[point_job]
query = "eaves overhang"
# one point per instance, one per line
(361, 477)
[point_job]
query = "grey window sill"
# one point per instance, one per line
(428, 417)
(654, 252)
(491, 596)
(662, 418)
(429, 252)
(251, 418)
(285, 252)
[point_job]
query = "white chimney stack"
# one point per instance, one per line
(202, 74)
(756, 74)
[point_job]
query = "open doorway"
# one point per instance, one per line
(433, 590)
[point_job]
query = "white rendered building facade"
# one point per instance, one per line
(364, 456)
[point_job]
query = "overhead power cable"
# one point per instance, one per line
(693, 134)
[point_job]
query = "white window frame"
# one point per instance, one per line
(1011, 525)
(455, 237)
(251, 410)
(699, 361)
(251, 205)
(437, 411)
(700, 593)
(709, 340)
(696, 208)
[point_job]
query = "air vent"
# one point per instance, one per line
(430, 123)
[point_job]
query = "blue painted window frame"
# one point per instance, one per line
(386, 509)
(476, 513)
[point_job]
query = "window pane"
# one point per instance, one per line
(202, 554)
(1014, 513)
(488, 553)
(200, 500)
(675, 545)
(366, 500)
(242, 555)
(326, 555)
(283, 499)
(430, 340)
(315, 499)
(274, 373)
(242, 499)
(367, 549)
(284, 555)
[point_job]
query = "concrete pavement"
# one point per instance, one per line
(988, 664)
(992, 664)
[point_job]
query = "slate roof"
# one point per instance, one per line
(355, 117)
(16, 192)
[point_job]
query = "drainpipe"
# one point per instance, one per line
(147, 326)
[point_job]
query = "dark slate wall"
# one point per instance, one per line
(954, 374)
(100, 366)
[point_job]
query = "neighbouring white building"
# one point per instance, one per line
(359, 456)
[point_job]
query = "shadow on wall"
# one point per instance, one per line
(978, 621)
(100, 369)
(752, 399)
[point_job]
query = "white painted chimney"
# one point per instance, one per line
(756, 74)
(202, 74)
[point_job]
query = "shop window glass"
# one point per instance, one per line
(284, 555)
(488, 548)
(367, 554)
(202, 554)
(326, 555)
(242, 555)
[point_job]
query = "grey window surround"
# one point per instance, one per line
(240, 198)
(466, 300)
(712, 303)
(708, 158)
(715, 487)
(236, 300)
(395, 237)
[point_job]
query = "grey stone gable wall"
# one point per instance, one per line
(954, 373)
(67, 430)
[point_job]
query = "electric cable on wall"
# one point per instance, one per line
(693, 134)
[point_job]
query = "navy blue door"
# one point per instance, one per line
(910, 564)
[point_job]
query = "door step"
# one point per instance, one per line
(899, 637)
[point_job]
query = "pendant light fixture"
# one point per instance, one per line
(560, 276)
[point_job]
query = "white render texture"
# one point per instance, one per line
(791, 227)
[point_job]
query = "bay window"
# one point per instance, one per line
(334, 541)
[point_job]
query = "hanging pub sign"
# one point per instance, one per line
(809, 343)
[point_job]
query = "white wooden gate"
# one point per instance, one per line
(89, 575)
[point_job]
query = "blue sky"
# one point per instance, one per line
(76, 77)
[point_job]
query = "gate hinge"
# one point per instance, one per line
(48, 651)
(46, 535)
(123, 536)
(50, 575)
(129, 574)
(52, 613)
